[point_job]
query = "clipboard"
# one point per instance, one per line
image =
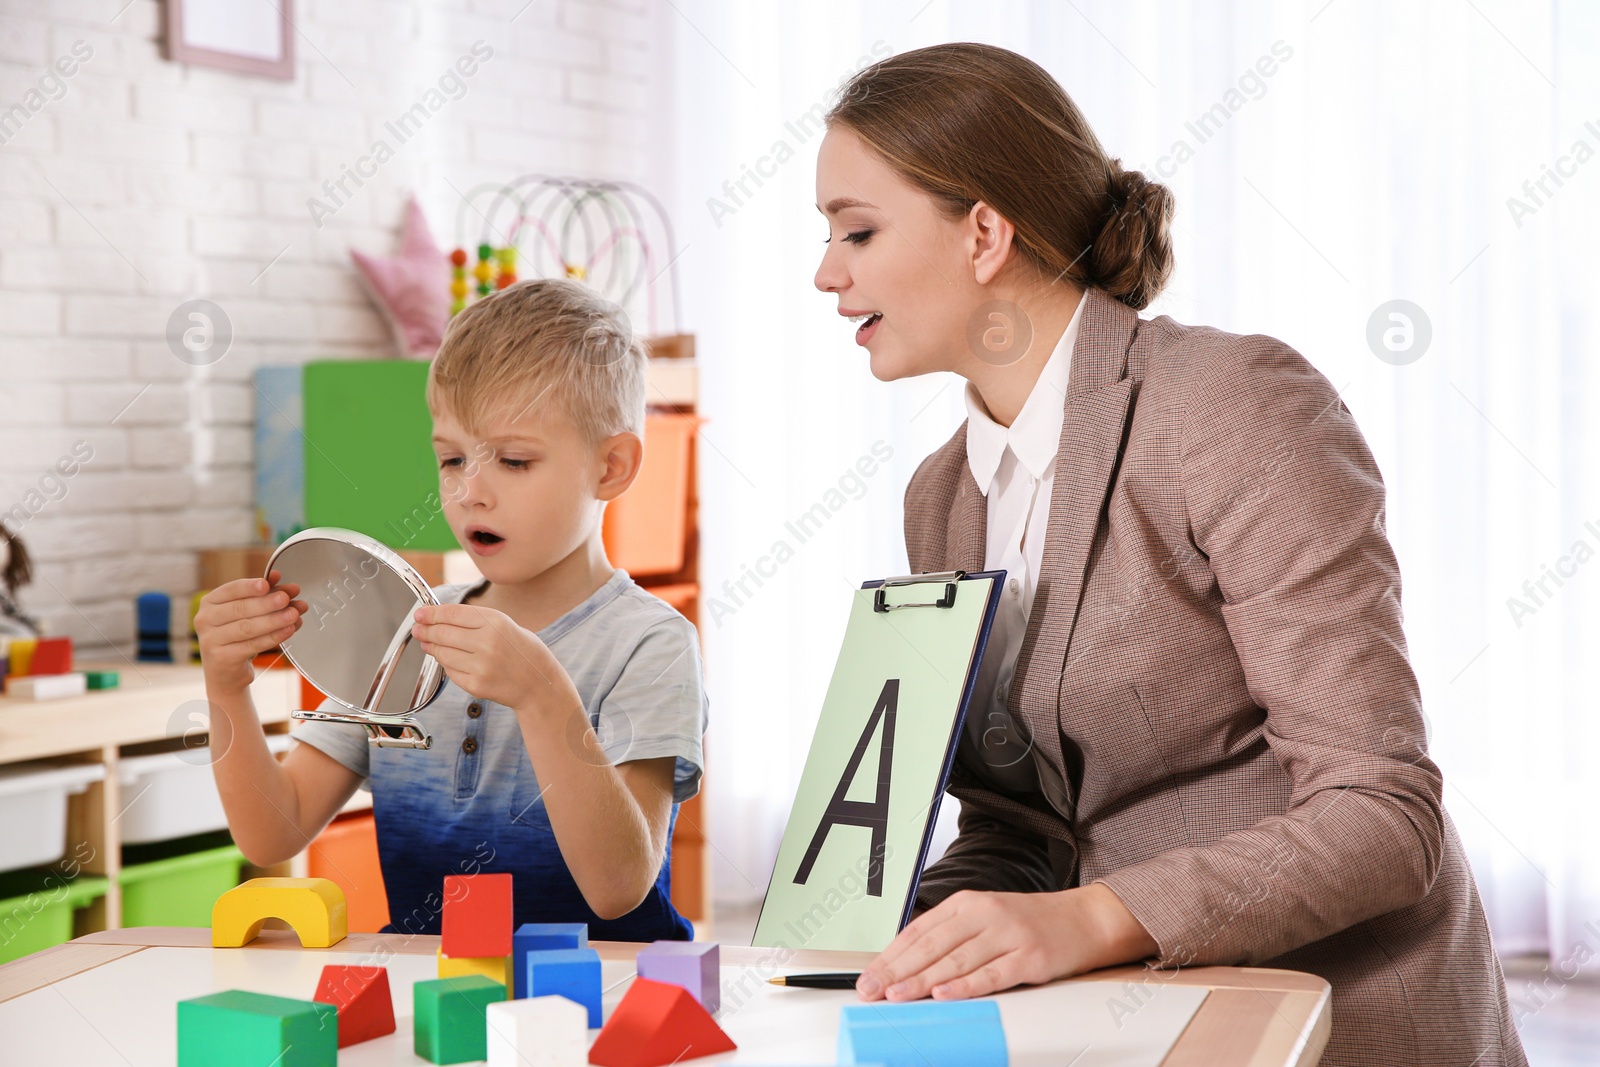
(852, 852)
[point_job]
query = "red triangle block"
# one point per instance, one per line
(366, 1010)
(657, 1023)
(477, 915)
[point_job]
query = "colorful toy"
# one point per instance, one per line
(46, 686)
(657, 1023)
(694, 965)
(102, 679)
(155, 627)
(533, 937)
(542, 1032)
(477, 915)
(612, 236)
(19, 652)
(494, 968)
(946, 1033)
(51, 655)
(448, 1018)
(573, 973)
(315, 907)
(361, 994)
(240, 1027)
(406, 287)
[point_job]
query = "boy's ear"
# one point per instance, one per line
(620, 456)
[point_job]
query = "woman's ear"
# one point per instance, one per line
(620, 456)
(989, 237)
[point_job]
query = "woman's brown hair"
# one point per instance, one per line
(971, 122)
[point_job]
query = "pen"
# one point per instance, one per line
(817, 981)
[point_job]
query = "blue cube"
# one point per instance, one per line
(538, 937)
(927, 1033)
(573, 973)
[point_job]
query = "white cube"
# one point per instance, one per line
(538, 1032)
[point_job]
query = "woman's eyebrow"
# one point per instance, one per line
(839, 203)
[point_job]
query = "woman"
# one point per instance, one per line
(1198, 738)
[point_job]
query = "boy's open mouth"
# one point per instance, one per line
(483, 536)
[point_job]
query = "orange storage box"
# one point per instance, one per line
(346, 853)
(646, 528)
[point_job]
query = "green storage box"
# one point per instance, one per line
(175, 883)
(36, 909)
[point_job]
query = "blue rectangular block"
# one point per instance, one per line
(573, 973)
(926, 1033)
(539, 937)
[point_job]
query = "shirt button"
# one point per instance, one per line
(470, 745)
(1016, 587)
(474, 710)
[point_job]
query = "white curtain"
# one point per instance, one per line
(1327, 159)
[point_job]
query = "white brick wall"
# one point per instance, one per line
(148, 183)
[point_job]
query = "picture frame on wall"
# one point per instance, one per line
(244, 36)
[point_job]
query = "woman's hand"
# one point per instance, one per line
(487, 654)
(975, 944)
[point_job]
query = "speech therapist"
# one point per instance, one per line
(1197, 738)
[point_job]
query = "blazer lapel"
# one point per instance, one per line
(1096, 411)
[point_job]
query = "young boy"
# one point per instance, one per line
(568, 731)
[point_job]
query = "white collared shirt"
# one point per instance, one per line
(1015, 468)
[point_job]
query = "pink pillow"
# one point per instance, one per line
(412, 288)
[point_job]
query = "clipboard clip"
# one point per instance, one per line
(950, 578)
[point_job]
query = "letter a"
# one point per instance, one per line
(874, 816)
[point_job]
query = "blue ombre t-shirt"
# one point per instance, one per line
(471, 803)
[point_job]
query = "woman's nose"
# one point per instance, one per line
(831, 277)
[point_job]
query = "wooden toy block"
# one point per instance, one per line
(361, 994)
(101, 679)
(573, 973)
(536, 937)
(448, 1018)
(46, 686)
(313, 906)
(477, 915)
(540, 1032)
(19, 655)
(236, 1027)
(52, 655)
(494, 968)
(694, 965)
(948, 1033)
(657, 1023)
(154, 611)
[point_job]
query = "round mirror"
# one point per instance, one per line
(355, 642)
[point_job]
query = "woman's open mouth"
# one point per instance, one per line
(868, 325)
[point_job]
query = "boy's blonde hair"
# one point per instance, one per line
(539, 343)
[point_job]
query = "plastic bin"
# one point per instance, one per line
(645, 530)
(168, 795)
(175, 883)
(346, 853)
(36, 909)
(33, 810)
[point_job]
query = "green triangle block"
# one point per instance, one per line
(450, 1018)
(241, 1029)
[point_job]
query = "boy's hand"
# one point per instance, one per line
(240, 620)
(487, 654)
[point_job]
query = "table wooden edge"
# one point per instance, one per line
(1252, 1016)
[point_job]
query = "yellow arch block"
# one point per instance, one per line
(315, 907)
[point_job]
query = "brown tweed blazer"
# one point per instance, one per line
(1215, 670)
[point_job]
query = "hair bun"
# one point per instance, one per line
(1132, 257)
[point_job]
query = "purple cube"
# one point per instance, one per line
(694, 965)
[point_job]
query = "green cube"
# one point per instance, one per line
(451, 1018)
(240, 1029)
